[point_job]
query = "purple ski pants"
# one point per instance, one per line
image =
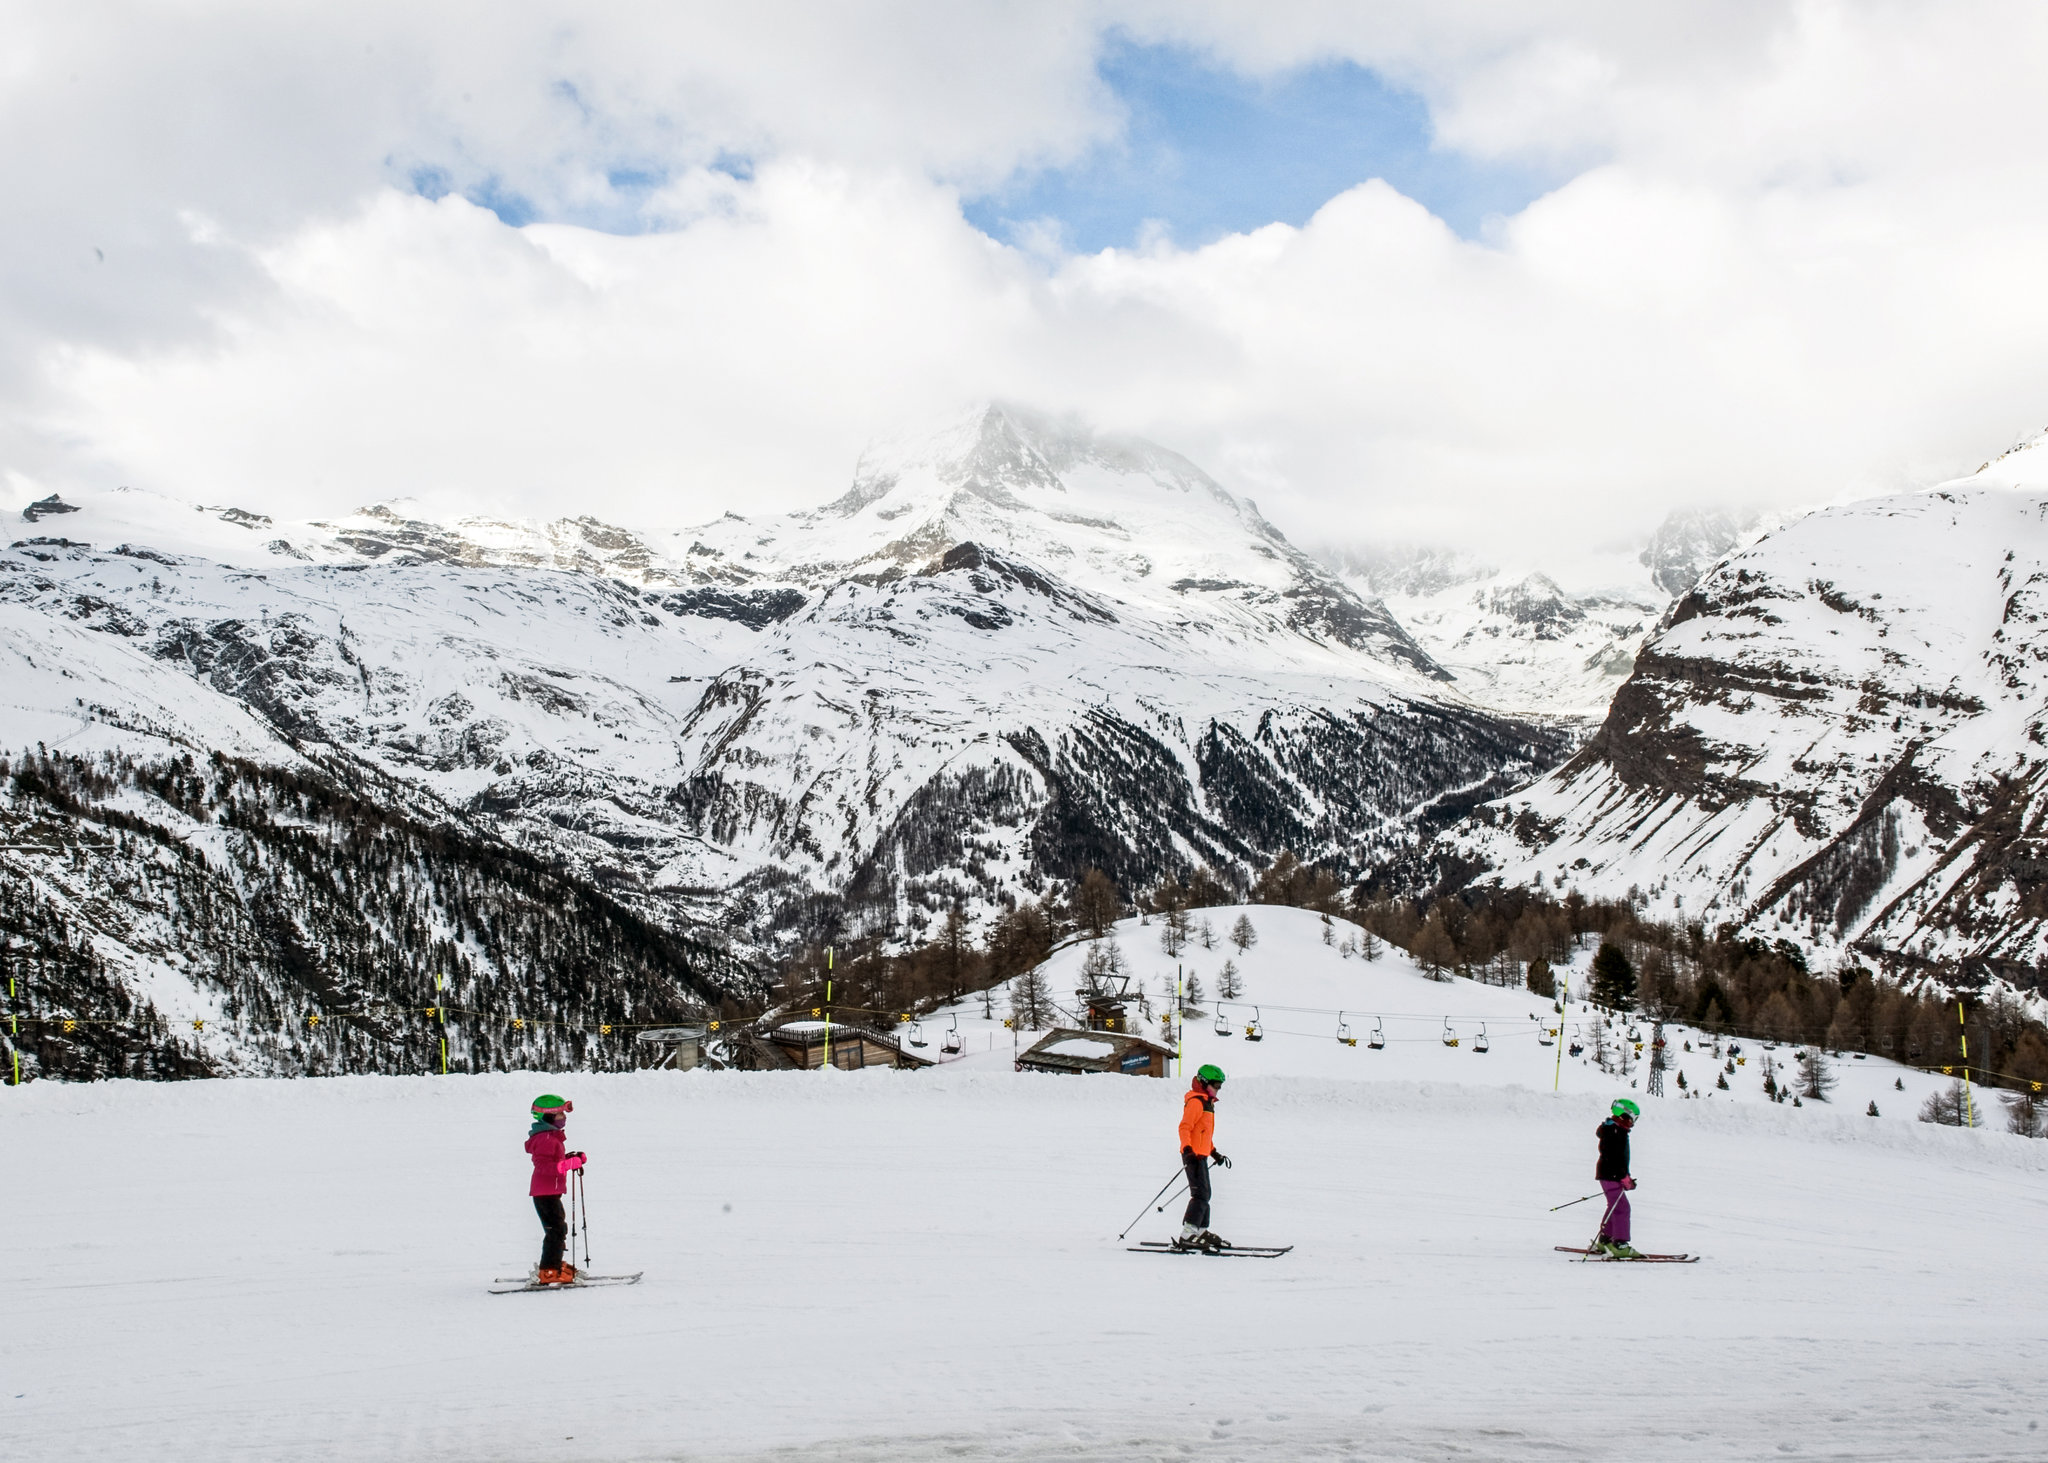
(1615, 1227)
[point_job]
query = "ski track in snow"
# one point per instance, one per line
(924, 1265)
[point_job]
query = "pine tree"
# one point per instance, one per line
(1175, 928)
(1950, 1107)
(1370, 945)
(1614, 978)
(1329, 931)
(1229, 985)
(1873, 1107)
(2022, 1114)
(1192, 999)
(1098, 903)
(1031, 1000)
(1539, 980)
(1243, 935)
(1815, 1079)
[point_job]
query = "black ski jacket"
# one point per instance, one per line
(1613, 1151)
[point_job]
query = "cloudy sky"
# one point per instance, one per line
(1519, 275)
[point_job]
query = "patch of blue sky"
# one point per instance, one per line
(1208, 151)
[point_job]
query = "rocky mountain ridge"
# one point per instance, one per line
(1836, 737)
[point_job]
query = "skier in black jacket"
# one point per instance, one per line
(1614, 1178)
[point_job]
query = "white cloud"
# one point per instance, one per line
(1803, 260)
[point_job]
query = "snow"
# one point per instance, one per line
(1871, 670)
(923, 1265)
(1298, 989)
(1081, 1046)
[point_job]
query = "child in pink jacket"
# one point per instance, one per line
(545, 1144)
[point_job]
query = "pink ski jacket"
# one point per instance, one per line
(550, 1168)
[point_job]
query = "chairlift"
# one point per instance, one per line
(951, 1045)
(1254, 1029)
(1577, 1046)
(917, 1034)
(1635, 1033)
(1344, 1032)
(1450, 1036)
(1222, 1021)
(1378, 1040)
(1479, 1042)
(1546, 1036)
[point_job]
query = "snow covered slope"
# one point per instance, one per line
(1300, 989)
(1012, 649)
(888, 1266)
(1836, 737)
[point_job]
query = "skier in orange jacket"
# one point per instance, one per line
(1197, 1151)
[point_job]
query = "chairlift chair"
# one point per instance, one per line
(1546, 1035)
(951, 1045)
(1479, 1042)
(1378, 1040)
(1450, 1036)
(1344, 1032)
(1635, 1033)
(917, 1034)
(1254, 1029)
(1222, 1021)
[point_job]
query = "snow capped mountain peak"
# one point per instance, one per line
(1120, 520)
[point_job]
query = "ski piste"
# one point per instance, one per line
(1596, 1255)
(514, 1284)
(1220, 1252)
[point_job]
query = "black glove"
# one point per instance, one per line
(1186, 1154)
(1219, 1160)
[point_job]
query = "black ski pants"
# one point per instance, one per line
(1197, 1166)
(555, 1220)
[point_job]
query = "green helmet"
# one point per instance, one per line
(1210, 1072)
(548, 1103)
(1623, 1108)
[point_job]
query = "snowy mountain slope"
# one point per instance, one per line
(1517, 641)
(1011, 650)
(1835, 737)
(1299, 989)
(935, 1253)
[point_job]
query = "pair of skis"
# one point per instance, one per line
(1218, 1251)
(1589, 1254)
(515, 1284)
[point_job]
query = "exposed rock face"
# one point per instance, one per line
(1839, 736)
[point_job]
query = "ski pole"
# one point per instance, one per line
(1178, 1176)
(1580, 1200)
(584, 1204)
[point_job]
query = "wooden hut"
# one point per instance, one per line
(1068, 1049)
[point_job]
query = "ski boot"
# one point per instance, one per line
(568, 1275)
(548, 1275)
(1211, 1241)
(1623, 1251)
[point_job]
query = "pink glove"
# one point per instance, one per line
(573, 1161)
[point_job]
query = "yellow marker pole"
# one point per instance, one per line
(441, 990)
(1969, 1107)
(14, 1020)
(828, 1010)
(1564, 998)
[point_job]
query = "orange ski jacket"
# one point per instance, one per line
(1198, 1124)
